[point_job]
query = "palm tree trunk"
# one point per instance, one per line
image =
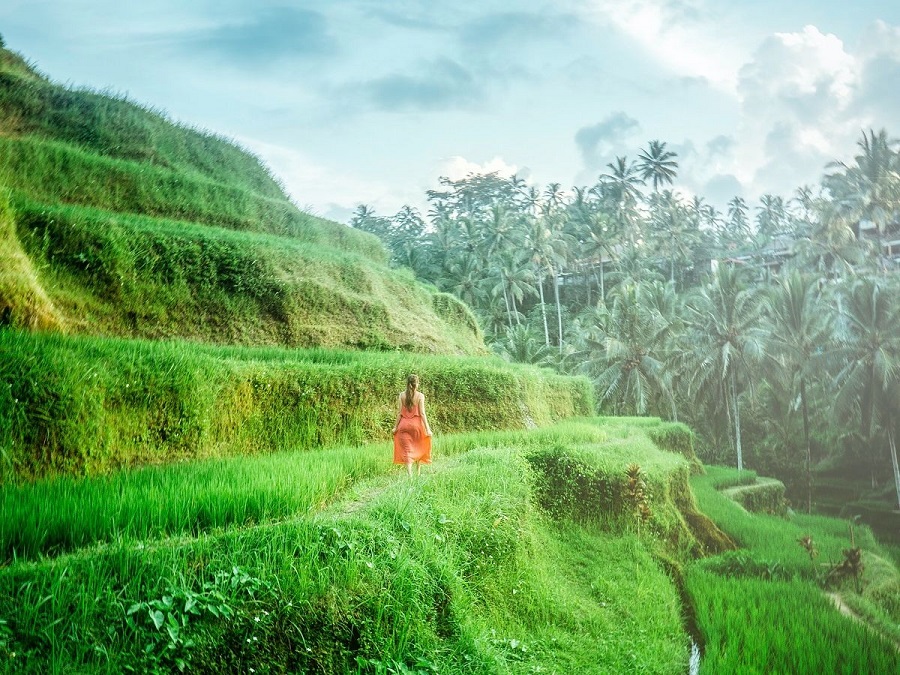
(587, 284)
(737, 422)
(672, 263)
(544, 313)
(512, 297)
(602, 284)
(895, 463)
(506, 300)
(805, 408)
(558, 309)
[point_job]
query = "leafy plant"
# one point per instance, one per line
(636, 493)
(166, 622)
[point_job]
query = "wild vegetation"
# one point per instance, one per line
(773, 331)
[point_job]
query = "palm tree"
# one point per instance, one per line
(830, 246)
(870, 188)
(657, 165)
(545, 255)
(620, 189)
(770, 217)
(626, 352)
(669, 221)
(892, 424)
(868, 344)
(464, 279)
(509, 275)
(553, 197)
(521, 345)
(737, 227)
(798, 329)
(723, 341)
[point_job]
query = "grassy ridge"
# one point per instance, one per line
(115, 221)
(57, 516)
(60, 515)
(111, 126)
(145, 277)
(80, 177)
(87, 405)
(457, 572)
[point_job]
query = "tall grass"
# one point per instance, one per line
(773, 581)
(754, 626)
(89, 406)
(186, 499)
(456, 572)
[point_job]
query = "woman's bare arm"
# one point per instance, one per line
(399, 409)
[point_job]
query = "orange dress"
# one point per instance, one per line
(410, 441)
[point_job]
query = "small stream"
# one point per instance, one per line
(688, 616)
(694, 663)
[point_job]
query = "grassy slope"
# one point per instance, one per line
(272, 563)
(459, 571)
(89, 405)
(114, 221)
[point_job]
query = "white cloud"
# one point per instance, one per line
(457, 168)
(687, 37)
(796, 98)
(803, 98)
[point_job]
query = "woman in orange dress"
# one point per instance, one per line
(412, 433)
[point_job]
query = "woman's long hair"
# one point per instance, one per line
(412, 384)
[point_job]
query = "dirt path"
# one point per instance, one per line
(842, 607)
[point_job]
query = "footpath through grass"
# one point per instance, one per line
(517, 552)
(459, 571)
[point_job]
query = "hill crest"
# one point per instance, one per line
(116, 221)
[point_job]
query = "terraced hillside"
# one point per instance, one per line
(576, 547)
(115, 221)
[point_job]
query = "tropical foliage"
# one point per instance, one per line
(742, 323)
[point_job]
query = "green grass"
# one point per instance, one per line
(56, 516)
(754, 626)
(121, 223)
(143, 277)
(110, 125)
(772, 538)
(81, 177)
(326, 561)
(454, 572)
(89, 406)
(773, 581)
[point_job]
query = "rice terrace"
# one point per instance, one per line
(662, 434)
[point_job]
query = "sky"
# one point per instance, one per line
(370, 101)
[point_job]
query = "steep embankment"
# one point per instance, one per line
(117, 222)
